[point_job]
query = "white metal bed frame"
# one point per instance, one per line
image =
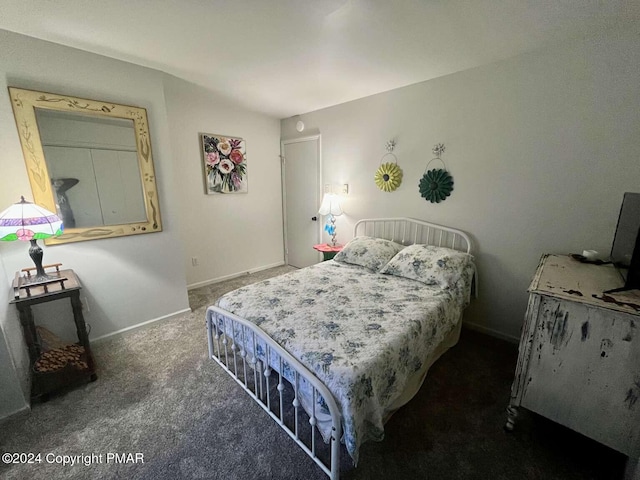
(234, 358)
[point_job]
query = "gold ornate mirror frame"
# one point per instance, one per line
(25, 102)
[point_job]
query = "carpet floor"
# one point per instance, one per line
(158, 395)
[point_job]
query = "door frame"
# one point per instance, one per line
(283, 161)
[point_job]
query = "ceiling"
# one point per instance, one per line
(288, 57)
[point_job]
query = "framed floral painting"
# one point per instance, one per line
(225, 164)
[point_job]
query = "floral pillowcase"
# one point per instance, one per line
(429, 264)
(368, 252)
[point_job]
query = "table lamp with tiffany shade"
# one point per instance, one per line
(29, 222)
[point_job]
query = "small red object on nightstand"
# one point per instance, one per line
(328, 251)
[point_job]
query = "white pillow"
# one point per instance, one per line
(368, 252)
(429, 264)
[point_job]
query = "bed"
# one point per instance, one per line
(331, 351)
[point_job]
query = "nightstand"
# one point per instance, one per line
(328, 251)
(54, 364)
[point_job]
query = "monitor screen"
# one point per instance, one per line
(626, 236)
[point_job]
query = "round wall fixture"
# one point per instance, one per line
(300, 125)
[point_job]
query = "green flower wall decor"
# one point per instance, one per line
(436, 185)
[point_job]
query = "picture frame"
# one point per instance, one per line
(224, 162)
(37, 114)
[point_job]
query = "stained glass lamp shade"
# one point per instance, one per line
(29, 222)
(331, 206)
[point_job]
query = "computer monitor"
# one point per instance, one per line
(625, 251)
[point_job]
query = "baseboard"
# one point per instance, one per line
(138, 326)
(492, 332)
(21, 410)
(233, 275)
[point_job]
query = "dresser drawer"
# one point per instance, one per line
(584, 370)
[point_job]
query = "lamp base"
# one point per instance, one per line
(333, 231)
(36, 254)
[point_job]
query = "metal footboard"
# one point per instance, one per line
(234, 343)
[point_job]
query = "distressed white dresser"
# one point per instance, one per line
(579, 356)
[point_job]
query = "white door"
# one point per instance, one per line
(124, 204)
(301, 198)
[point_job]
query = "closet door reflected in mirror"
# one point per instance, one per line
(91, 162)
(93, 167)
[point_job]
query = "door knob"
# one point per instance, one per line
(315, 219)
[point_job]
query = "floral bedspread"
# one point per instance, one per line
(362, 333)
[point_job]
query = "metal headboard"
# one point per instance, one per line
(409, 231)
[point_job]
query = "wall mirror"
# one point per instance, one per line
(89, 161)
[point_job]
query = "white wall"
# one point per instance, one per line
(13, 387)
(126, 280)
(541, 148)
(232, 233)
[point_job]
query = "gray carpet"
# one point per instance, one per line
(159, 395)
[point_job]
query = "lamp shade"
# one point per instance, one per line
(27, 221)
(330, 205)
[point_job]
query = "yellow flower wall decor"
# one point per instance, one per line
(388, 177)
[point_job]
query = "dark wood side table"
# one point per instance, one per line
(328, 251)
(66, 365)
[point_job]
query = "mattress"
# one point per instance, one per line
(365, 335)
